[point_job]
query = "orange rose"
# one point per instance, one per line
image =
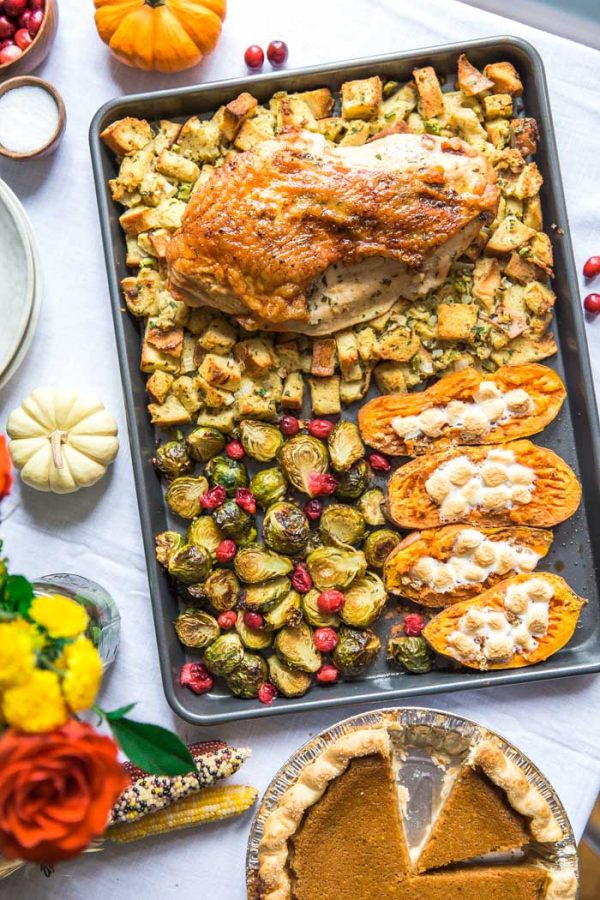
(56, 791)
(6, 475)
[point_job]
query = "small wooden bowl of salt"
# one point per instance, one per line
(32, 117)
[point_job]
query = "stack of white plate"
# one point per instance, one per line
(20, 284)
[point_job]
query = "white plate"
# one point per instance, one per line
(17, 276)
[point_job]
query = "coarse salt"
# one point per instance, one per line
(28, 118)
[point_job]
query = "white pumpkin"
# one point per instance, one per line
(61, 440)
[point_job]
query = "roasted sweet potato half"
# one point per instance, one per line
(555, 492)
(454, 632)
(543, 386)
(460, 543)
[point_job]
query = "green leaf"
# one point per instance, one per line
(154, 749)
(115, 714)
(18, 594)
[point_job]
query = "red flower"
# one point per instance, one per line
(56, 791)
(6, 475)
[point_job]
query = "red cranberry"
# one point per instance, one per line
(413, 624)
(253, 620)
(321, 485)
(320, 428)
(9, 53)
(289, 425)
(196, 677)
(36, 4)
(330, 601)
(7, 28)
(14, 8)
(213, 498)
(313, 509)
(325, 639)
(227, 620)
(245, 498)
(592, 303)
(254, 57)
(327, 674)
(35, 21)
(267, 692)
(234, 450)
(277, 53)
(379, 463)
(226, 551)
(301, 580)
(592, 267)
(25, 19)
(23, 39)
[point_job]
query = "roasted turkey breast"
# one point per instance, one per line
(300, 235)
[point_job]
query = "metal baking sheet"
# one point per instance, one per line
(575, 434)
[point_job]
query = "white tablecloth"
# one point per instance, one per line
(96, 532)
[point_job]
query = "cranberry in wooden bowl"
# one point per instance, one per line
(27, 30)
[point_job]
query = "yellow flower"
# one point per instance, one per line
(36, 705)
(17, 656)
(60, 616)
(83, 673)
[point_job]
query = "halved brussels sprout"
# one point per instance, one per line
(364, 600)
(412, 653)
(269, 486)
(289, 682)
(266, 594)
(251, 537)
(345, 446)
(335, 567)
(312, 613)
(196, 628)
(356, 650)
(252, 638)
(354, 482)
(172, 459)
(232, 520)
(378, 546)
(285, 612)
(167, 543)
(294, 645)
(341, 525)
(247, 678)
(190, 564)
(204, 443)
(302, 456)
(229, 473)
(371, 506)
(286, 528)
(255, 563)
(259, 440)
(183, 496)
(224, 654)
(222, 589)
(204, 532)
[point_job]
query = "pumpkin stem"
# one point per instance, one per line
(154, 3)
(57, 439)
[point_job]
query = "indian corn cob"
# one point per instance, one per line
(209, 805)
(149, 793)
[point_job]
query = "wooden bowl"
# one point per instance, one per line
(39, 48)
(52, 144)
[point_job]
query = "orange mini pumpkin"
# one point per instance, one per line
(165, 35)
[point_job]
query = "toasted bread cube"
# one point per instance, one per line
(222, 419)
(141, 293)
(199, 320)
(497, 106)
(159, 385)
(176, 166)
(293, 114)
(508, 236)
(152, 359)
(138, 219)
(524, 136)
(397, 106)
(498, 132)
(199, 140)
(505, 78)
(220, 371)
(391, 377)
(187, 362)
(288, 357)
(398, 343)
(186, 390)
(254, 131)
(430, 92)
(167, 340)
(541, 252)
(292, 395)
(332, 128)
(362, 99)
(353, 390)
(526, 184)
(218, 336)
(127, 135)
(170, 413)
(319, 101)
(323, 357)
(213, 397)
(169, 213)
(471, 129)
(356, 134)
(538, 298)
(325, 395)
(348, 356)
(524, 349)
(236, 112)
(256, 355)
(486, 280)
(135, 255)
(155, 188)
(166, 136)
(120, 195)
(522, 270)
(456, 321)
(532, 214)
(470, 80)
(366, 339)
(159, 241)
(134, 168)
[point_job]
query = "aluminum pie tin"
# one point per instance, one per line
(427, 744)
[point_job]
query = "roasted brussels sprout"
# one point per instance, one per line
(172, 459)
(247, 678)
(253, 638)
(204, 532)
(314, 542)
(167, 543)
(224, 654)
(251, 537)
(183, 496)
(260, 440)
(190, 564)
(196, 628)
(341, 525)
(221, 589)
(378, 546)
(289, 682)
(354, 482)
(312, 613)
(204, 443)
(285, 612)
(286, 528)
(371, 506)
(412, 653)
(269, 486)
(345, 446)
(266, 594)
(232, 520)
(302, 456)
(229, 473)
(355, 651)
(256, 563)
(364, 600)
(295, 647)
(335, 567)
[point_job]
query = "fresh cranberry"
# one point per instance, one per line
(330, 601)
(289, 425)
(267, 692)
(36, 4)
(213, 498)
(313, 509)
(196, 677)
(320, 428)
(245, 498)
(226, 551)
(35, 21)
(277, 53)
(413, 624)
(25, 19)
(321, 485)
(23, 39)
(327, 674)
(379, 463)
(592, 303)
(14, 8)
(253, 620)
(325, 639)
(234, 450)
(301, 580)
(9, 53)
(592, 267)
(227, 620)
(7, 28)
(254, 57)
